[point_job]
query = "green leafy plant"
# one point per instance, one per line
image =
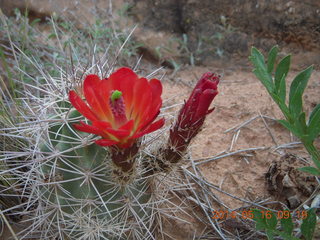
(269, 223)
(273, 77)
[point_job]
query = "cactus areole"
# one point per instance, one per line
(121, 108)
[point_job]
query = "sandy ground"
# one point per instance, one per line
(235, 127)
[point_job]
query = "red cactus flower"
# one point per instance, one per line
(192, 116)
(121, 108)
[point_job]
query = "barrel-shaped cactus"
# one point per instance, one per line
(88, 191)
(96, 170)
(103, 188)
(93, 160)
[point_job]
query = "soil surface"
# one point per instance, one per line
(241, 98)
(243, 125)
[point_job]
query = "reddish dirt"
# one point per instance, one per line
(241, 98)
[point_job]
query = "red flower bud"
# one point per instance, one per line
(192, 116)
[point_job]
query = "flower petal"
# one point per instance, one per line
(142, 97)
(156, 87)
(206, 79)
(119, 76)
(147, 122)
(98, 104)
(153, 127)
(88, 128)
(156, 102)
(128, 126)
(187, 115)
(80, 105)
(113, 133)
(204, 102)
(104, 92)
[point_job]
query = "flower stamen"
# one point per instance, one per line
(118, 108)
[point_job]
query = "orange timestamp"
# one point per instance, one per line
(250, 214)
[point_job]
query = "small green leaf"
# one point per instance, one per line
(282, 89)
(308, 225)
(291, 128)
(34, 22)
(259, 219)
(300, 125)
(52, 35)
(261, 70)
(263, 223)
(272, 58)
(265, 79)
(310, 170)
(282, 105)
(296, 90)
(287, 225)
(272, 222)
(315, 113)
(281, 71)
(258, 57)
(270, 234)
(316, 162)
(314, 123)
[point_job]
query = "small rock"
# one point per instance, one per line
(294, 202)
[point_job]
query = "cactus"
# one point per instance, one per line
(83, 192)
(99, 173)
